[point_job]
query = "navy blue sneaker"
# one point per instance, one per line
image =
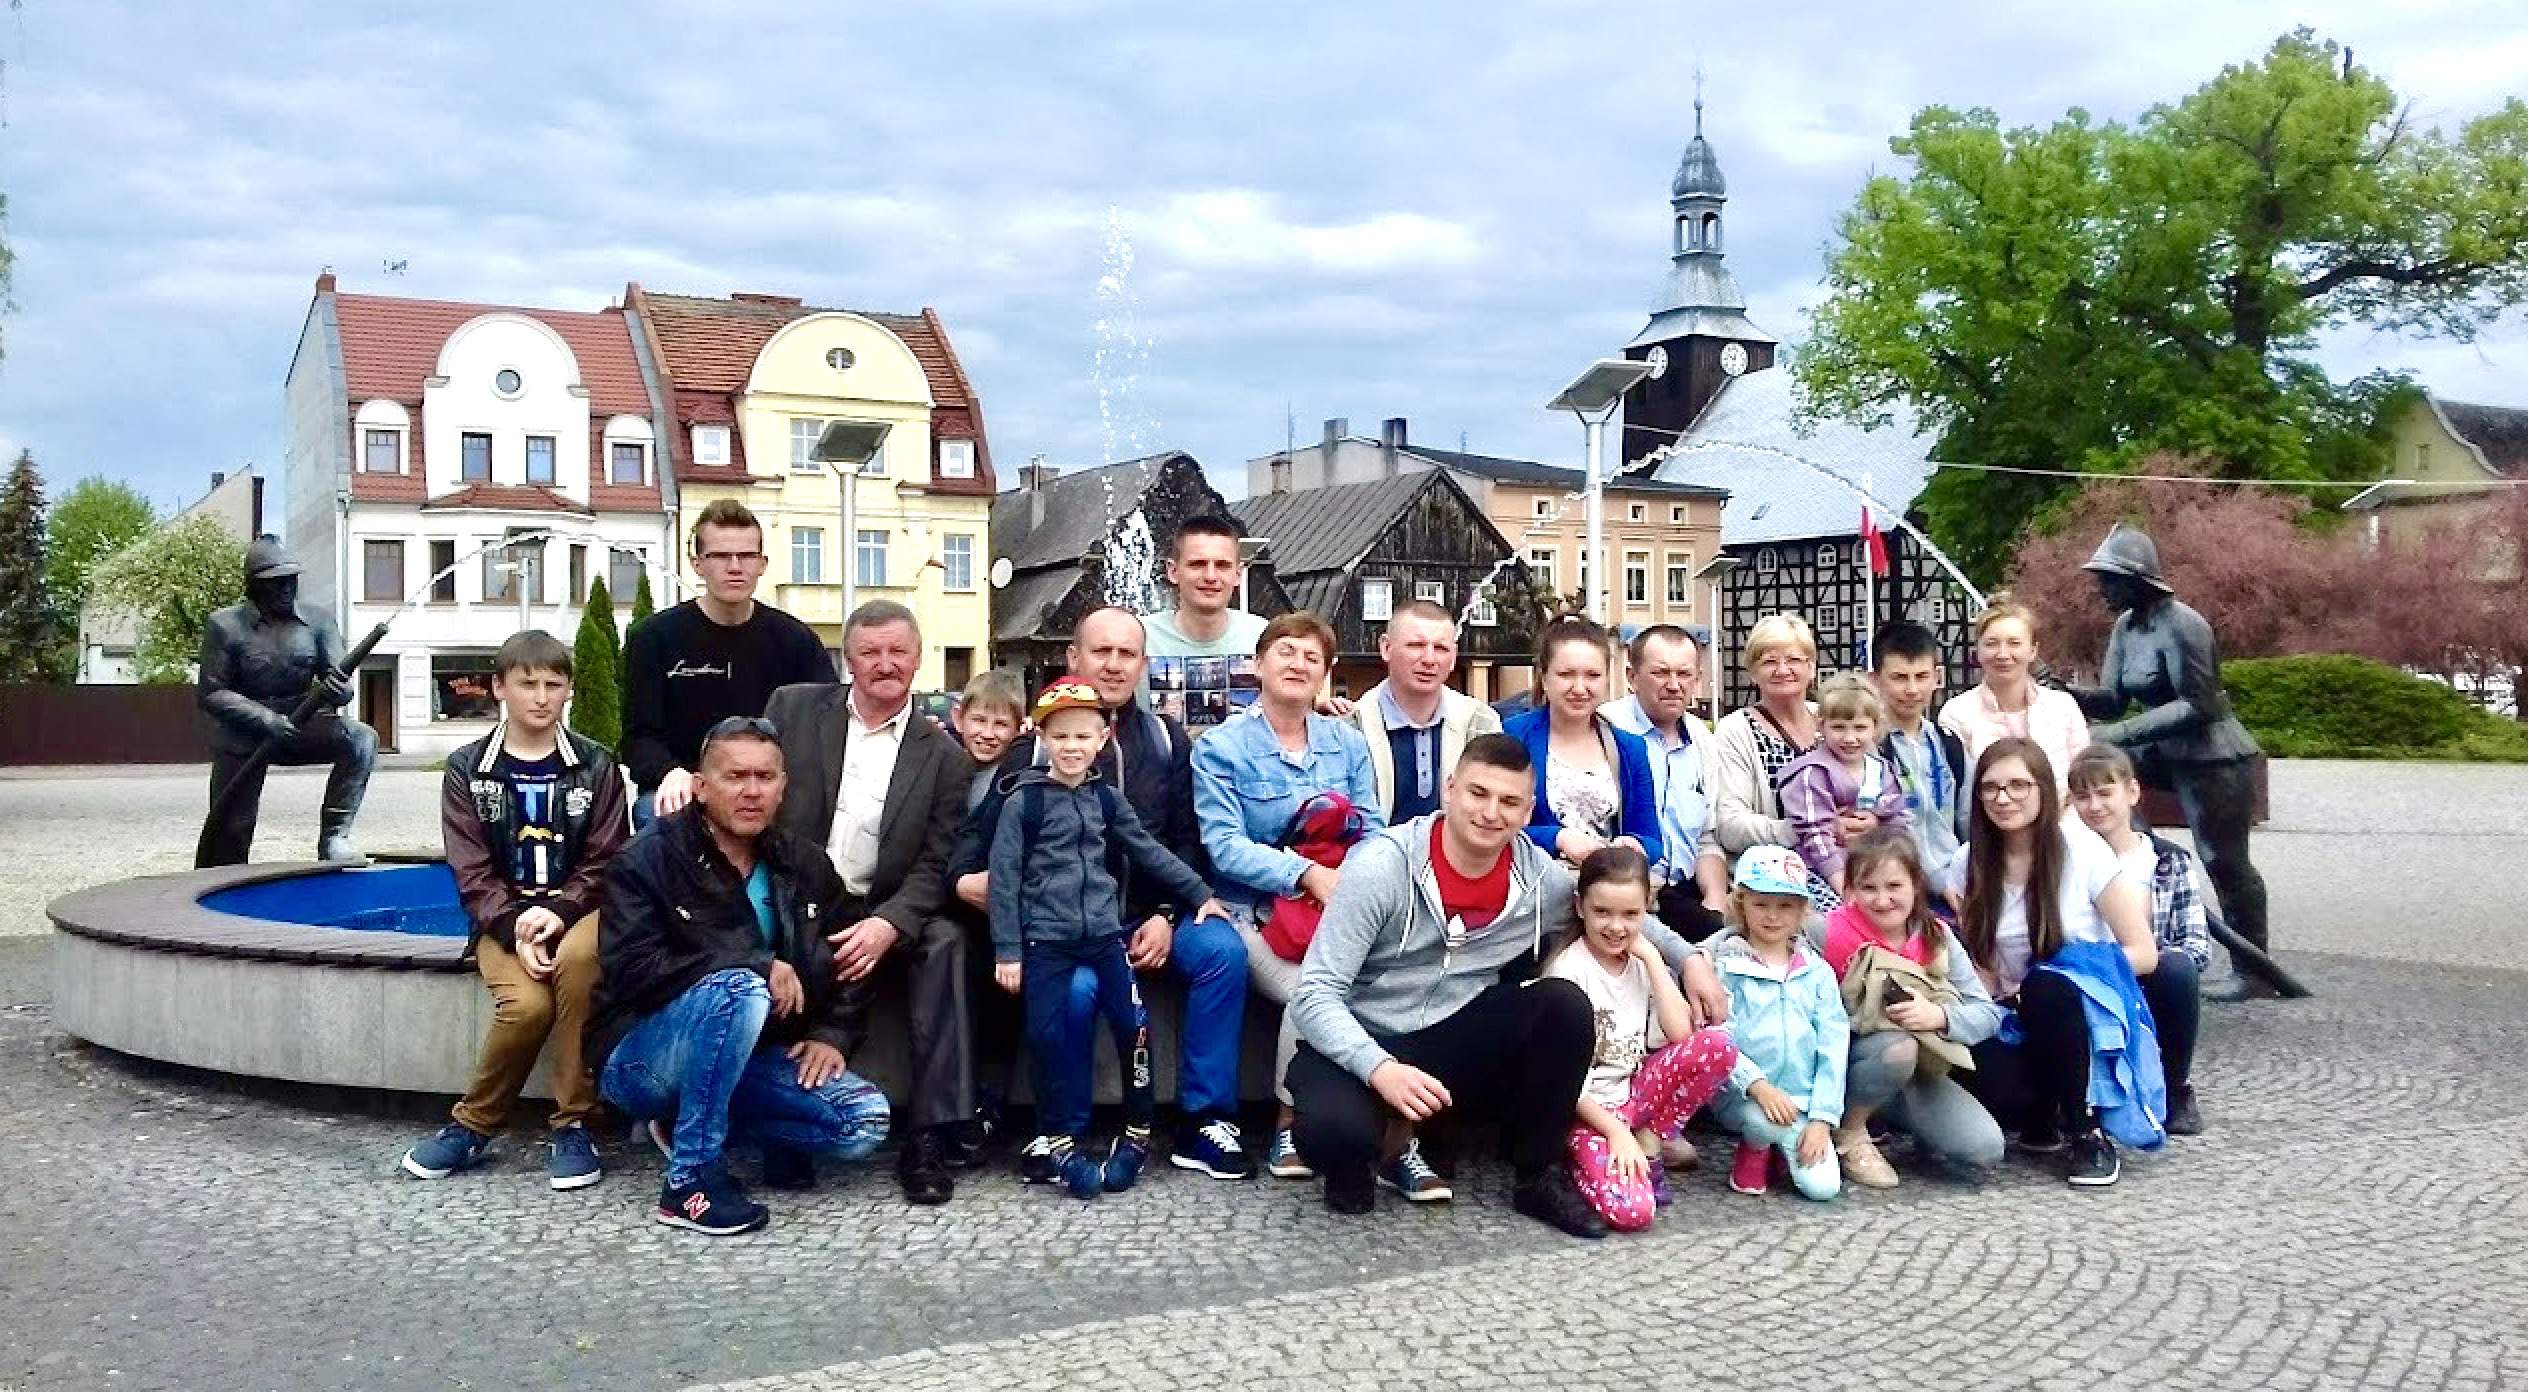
(1126, 1161)
(714, 1204)
(453, 1149)
(573, 1164)
(1037, 1164)
(1214, 1148)
(1081, 1174)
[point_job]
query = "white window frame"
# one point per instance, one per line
(1829, 556)
(1431, 591)
(1378, 599)
(711, 444)
(1544, 561)
(807, 555)
(1638, 512)
(1676, 514)
(1637, 569)
(956, 459)
(1481, 612)
(956, 550)
(802, 446)
(1680, 578)
(869, 545)
(1544, 506)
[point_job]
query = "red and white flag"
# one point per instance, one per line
(1875, 540)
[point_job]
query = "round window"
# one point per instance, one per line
(839, 359)
(507, 382)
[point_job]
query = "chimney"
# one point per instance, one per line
(258, 505)
(1336, 428)
(1390, 441)
(1281, 474)
(1031, 481)
(217, 478)
(325, 281)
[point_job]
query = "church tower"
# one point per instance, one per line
(1699, 335)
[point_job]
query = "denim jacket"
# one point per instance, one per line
(1246, 793)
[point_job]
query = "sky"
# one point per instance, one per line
(1435, 211)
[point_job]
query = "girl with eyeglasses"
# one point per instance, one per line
(2043, 900)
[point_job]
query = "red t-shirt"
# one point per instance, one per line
(1474, 902)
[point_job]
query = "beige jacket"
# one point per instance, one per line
(1462, 717)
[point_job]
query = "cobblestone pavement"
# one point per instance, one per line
(2358, 1216)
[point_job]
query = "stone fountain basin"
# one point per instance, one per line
(302, 972)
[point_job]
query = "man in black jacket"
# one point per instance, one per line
(719, 1005)
(881, 788)
(1149, 760)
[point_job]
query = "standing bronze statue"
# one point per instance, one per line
(262, 661)
(2161, 655)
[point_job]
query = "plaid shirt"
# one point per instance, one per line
(2176, 911)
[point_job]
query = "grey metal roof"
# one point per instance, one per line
(1501, 470)
(1329, 528)
(1775, 499)
(1675, 321)
(1078, 508)
(2499, 433)
(1019, 610)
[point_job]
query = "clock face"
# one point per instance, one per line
(1733, 358)
(1658, 363)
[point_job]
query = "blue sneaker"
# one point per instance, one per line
(714, 1204)
(1125, 1162)
(1412, 1176)
(454, 1148)
(1081, 1174)
(1285, 1162)
(1215, 1148)
(574, 1161)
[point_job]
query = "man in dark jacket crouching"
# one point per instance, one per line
(718, 1006)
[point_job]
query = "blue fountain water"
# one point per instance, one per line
(379, 899)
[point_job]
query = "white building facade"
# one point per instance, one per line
(485, 464)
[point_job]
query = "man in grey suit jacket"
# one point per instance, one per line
(883, 790)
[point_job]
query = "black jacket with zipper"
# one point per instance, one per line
(676, 911)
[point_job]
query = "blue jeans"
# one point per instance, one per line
(696, 1061)
(1210, 959)
(644, 809)
(1064, 1056)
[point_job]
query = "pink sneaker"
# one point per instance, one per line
(1747, 1172)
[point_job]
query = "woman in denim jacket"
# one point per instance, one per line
(1252, 775)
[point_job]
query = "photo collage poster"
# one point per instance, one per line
(1203, 691)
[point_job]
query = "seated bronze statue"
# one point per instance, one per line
(260, 661)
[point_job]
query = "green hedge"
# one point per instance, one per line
(2328, 706)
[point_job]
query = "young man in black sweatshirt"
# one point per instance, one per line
(716, 655)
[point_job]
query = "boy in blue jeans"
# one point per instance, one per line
(1065, 841)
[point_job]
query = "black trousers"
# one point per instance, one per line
(2041, 1082)
(1681, 908)
(997, 1015)
(1516, 1054)
(929, 967)
(2219, 801)
(348, 745)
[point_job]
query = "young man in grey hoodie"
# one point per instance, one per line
(1420, 993)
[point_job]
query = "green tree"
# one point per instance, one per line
(171, 580)
(95, 519)
(596, 684)
(2081, 295)
(30, 624)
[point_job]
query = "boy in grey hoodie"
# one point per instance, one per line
(1418, 993)
(1064, 841)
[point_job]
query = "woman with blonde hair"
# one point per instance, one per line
(1752, 745)
(2007, 703)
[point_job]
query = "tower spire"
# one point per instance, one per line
(1698, 100)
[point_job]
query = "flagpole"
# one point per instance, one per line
(1869, 581)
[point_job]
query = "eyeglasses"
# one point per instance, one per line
(754, 725)
(2014, 790)
(1784, 662)
(725, 558)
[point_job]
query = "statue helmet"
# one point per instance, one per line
(266, 560)
(2129, 551)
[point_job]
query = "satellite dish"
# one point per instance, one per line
(1001, 573)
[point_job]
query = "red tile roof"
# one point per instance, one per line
(389, 345)
(387, 488)
(509, 497)
(709, 347)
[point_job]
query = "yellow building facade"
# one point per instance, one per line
(757, 379)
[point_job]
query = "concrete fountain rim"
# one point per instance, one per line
(165, 913)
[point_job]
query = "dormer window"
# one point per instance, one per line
(711, 444)
(382, 452)
(627, 464)
(956, 459)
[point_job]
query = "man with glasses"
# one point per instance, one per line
(1664, 667)
(716, 655)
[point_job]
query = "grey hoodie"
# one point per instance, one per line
(1061, 889)
(1382, 964)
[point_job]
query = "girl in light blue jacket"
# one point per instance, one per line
(1786, 1015)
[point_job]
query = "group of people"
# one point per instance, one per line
(1820, 920)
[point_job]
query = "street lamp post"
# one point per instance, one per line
(1714, 574)
(847, 445)
(1594, 396)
